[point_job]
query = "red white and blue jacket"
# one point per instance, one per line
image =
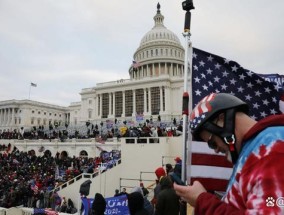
(257, 182)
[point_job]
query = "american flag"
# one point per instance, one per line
(135, 64)
(33, 84)
(214, 74)
(203, 106)
(209, 168)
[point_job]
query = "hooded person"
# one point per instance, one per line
(136, 204)
(167, 200)
(160, 173)
(99, 205)
(147, 205)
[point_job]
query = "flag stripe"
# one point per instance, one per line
(208, 167)
(212, 184)
(211, 172)
(210, 160)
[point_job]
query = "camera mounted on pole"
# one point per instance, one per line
(187, 6)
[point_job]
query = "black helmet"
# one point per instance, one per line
(208, 109)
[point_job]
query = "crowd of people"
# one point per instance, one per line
(164, 202)
(31, 180)
(89, 130)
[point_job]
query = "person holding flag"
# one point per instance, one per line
(256, 149)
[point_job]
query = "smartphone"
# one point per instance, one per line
(175, 178)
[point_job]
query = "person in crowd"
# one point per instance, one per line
(136, 204)
(70, 207)
(144, 189)
(147, 205)
(160, 173)
(116, 192)
(46, 198)
(169, 168)
(123, 192)
(99, 205)
(167, 200)
(63, 206)
(154, 134)
(58, 201)
(256, 149)
(177, 168)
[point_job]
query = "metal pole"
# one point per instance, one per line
(30, 92)
(187, 6)
(185, 107)
(186, 157)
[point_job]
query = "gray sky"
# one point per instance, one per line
(66, 45)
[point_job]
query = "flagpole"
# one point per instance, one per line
(187, 6)
(186, 157)
(30, 91)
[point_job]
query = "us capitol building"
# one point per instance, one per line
(154, 88)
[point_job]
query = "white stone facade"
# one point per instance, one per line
(15, 114)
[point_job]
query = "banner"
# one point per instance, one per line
(115, 205)
(276, 78)
(139, 117)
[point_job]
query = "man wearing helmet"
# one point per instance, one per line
(255, 148)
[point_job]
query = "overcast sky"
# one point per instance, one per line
(66, 45)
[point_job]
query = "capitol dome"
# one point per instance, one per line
(159, 33)
(159, 53)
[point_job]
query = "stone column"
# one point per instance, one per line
(145, 100)
(109, 104)
(167, 99)
(101, 105)
(13, 117)
(134, 103)
(147, 70)
(113, 104)
(123, 104)
(5, 116)
(149, 101)
(1, 115)
(161, 100)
